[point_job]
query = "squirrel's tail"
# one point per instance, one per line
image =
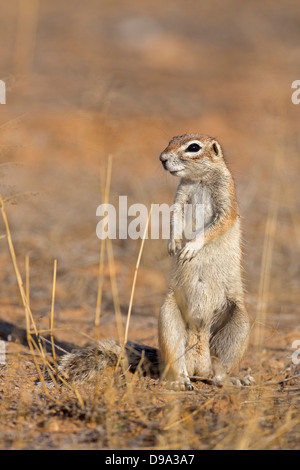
(85, 364)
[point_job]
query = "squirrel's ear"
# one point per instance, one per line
(215, 149)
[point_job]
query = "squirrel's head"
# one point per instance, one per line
(192, 156)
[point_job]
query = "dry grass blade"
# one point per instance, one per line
(102, 251)
(52, 312)
(133, 290)
(293, 213)
(13, 198)
(112, 273)
(101, 270)
(135, 278)
(27, 282)
(266, 265)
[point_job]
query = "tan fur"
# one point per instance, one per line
(203, 324)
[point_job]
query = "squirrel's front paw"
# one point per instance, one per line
(189, 252)
(174, 246)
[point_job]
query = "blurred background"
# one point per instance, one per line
(86, 80)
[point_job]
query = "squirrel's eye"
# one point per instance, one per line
(193, 148)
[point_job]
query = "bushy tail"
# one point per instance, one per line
(85, 364)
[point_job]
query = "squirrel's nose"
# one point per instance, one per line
(163, 157)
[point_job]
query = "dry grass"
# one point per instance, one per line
(60, 287)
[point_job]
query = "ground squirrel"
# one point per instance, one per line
(203, 325)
